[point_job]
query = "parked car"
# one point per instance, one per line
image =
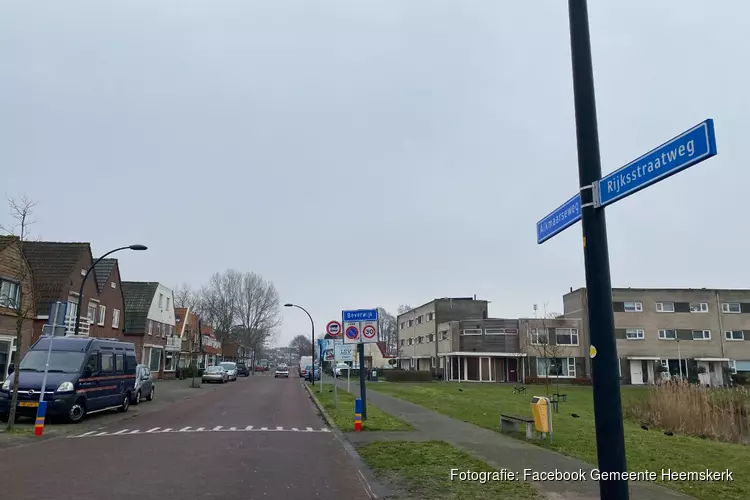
(312, 374)
(144, 385)
(259, 368)
(281, 371)
(340, 369)
(242, 370)
(215, 373)
(75, 365)
(231, 369)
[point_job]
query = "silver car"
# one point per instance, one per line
(144, 385)
(215, 374)
(231, 369)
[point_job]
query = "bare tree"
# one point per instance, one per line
(219, 302)
(300, 345)
(404, 308)
(21, 299)
(387, 330)
(545, 347)
(185, 296)
(258, 311)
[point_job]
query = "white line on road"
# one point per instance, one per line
(295, 429)
(279, 428)
(154, 429)
(200, 429)
(217, 428)
(185, 429)
(102, 433)
(120, 432)
(264, 428)
(233, 428)
(168, 429)
(249, 428)
(309, 429)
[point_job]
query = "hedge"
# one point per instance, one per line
(407, 375)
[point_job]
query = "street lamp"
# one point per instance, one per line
(312, 339)
(83, 281)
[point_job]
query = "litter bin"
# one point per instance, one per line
(374, 376)
(540, 409)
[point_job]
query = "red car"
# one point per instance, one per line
(259, 369)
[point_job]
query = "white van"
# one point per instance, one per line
(303, 362)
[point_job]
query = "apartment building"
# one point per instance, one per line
(418, 330)
(697, 334)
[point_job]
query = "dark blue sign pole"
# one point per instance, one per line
(610, 437)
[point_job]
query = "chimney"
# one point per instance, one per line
(475, 296)
(571, 289)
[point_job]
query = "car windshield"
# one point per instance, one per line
(214, 369)
(228, 366)
(59, 361)
(281, 368)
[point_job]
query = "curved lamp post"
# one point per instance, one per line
(83, 281)
(312, 338)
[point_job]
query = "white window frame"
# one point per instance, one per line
(729, 335)
(663, 334)
(150, 327)
(534, 336)
(115, 318)
(444, 335)
(635, 306)
(702, 307)
(733, 367)
(10, 294)
(112, 284)
(705, 335)
(173, 355)
(430, 316)
(93, 306)
(638, 334)
(161, 301)
(569, 363)
(726, 307)
(471, 331)
(169, 303)
(411, 323)
(494, 331)
(573, 333)
(102, 315)
(660, 307)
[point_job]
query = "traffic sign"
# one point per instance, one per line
(360, 315)
(343, 352)
(687, 149)
(559, 219)
(351, 333)
(369, 332)
(333, 328)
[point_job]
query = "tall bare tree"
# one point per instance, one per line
(185, 296)
(219, 301)
(544, 344)
(20, 301)
(258, 310)
(301, 345)
(388, 330)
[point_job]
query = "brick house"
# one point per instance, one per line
(15, 297)
(211, 347)
(150, 324)
(110, 291)
(58, 269)
(188, 326)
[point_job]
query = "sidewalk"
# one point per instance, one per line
(496, 449)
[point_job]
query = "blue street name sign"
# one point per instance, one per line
(360, 315)
(691, 147)
(560, 219)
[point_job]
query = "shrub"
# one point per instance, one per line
(721, 414)
(742, 378)
(581, 381)
(407, 376)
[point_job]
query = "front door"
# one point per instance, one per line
(512, 370)
(636, 372)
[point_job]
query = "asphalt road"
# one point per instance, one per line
(258, 437)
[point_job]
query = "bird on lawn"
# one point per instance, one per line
(668, 433)
(575, 415)
(644, 427)
(460, 390)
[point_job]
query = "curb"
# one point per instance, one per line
(374, 489)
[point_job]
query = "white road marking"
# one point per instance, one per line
(218, 428)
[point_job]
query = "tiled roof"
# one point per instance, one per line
(103, 269)
(5, 241)
(138, 296)
(52, 264)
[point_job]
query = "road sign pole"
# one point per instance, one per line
(362, 385)
(610, 440)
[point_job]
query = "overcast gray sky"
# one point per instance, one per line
(371, 152)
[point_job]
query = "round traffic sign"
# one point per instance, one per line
(352, 332)
(333, 328)
(369, 332)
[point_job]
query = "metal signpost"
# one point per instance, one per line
(333, 328)
(596, 192)
(345, 353)
(360, 327)
(55, 328)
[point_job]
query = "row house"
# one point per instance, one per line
(211, 348)
(150, 325)
(188, 327)
(701, 334)
(16, 301)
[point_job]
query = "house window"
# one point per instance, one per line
(115, 318)
(734, 335)
(169, 362)
(419, 319)
(113, 284)
(633, 307)
(511, 331)
(102, 315)
(494, 331)
(92, 312)
(150, 327)
(430, 316)
(411, 322)
(108, 362)
(701, 334)
(403, 342)
(154, 360)
(733, 367)
(402, 325)
(161, 301)
(665, 307)
(556, 367)
(10, 293)
(698, 307)
(635, 334)
(731, 307)
(566, 336)
(410, 342)
(472, 331)
(667, 334)
(538, 336)
(444, 335)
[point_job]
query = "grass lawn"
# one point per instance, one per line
(343, 414)
(423, 470)
(481, 404)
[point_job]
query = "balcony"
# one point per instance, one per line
(70, 326)
(174, 343)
